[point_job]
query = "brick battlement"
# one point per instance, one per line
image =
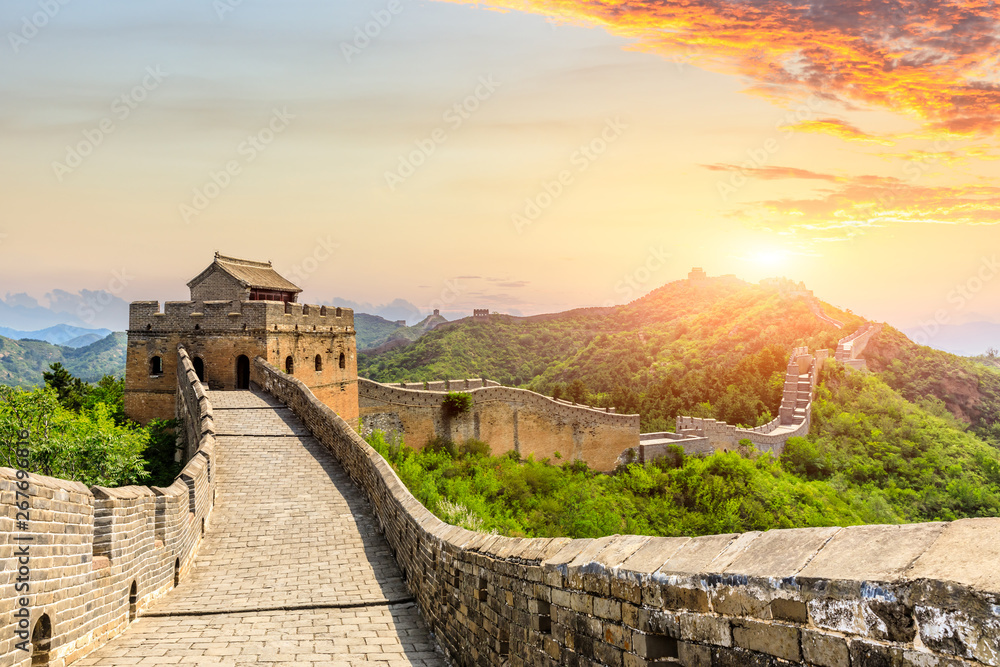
(236, 316)
(905, 596)
(505, 417)
(92, 545)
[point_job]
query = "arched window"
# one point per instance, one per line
(199, 368)
(289, 365)
(319, 362)
(339, 312)
(41, 642)
(322, 311)
(156, 366)
(133, 601)
(343, 360)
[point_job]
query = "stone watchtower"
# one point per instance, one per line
(239, 310)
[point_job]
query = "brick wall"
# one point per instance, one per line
(91, 545)
(923, 595)
(506, 418)
(218, 333)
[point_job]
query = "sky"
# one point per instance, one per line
(525, 156)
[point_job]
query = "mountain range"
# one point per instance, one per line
(60, 334)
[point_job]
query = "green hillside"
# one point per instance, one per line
(719, 349)
(373, 331)
(916, 439)
(23, 361)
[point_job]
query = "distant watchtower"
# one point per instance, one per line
(697, 276)
(239, 309)
(480, 313)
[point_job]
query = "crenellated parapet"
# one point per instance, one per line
(237, 316)
(99, 556)
(505, 417)
(850, 348)
(911, 595)
(698, 435)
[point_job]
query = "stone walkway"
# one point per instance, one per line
(292, 569)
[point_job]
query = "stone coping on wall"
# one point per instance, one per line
(369, 389)
(91, 544)
(898, 595)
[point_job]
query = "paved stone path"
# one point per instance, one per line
(292, 569)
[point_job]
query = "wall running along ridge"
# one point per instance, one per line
(90, 545)
(505, 417)
(705, 436)
(924, 595)
(850, 348)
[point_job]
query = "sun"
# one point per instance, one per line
(769, 257)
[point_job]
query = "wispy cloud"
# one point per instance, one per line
(934, 61)
(852, 204)
(840, 129)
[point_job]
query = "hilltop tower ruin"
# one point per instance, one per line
(239, 309)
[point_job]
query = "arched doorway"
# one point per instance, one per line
(41, 642)
(243, 372)
(199, 368)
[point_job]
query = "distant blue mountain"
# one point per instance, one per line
(968, 340)
(60, 334)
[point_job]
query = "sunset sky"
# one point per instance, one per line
(525, 156)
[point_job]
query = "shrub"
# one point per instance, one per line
(456, 403)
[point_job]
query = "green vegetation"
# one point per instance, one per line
(871, 457)
(79, 432)
(456, 403)
(22, 362)
(714, 351)
(373, 330)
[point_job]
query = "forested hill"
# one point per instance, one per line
(23, 361)
(716, 349)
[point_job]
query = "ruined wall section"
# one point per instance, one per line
(90, 545)
(865, 596)
(506, 418)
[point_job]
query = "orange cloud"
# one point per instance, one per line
(856, 203)
(929, 60)
(839, 128)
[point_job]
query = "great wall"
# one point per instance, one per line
(507, 418)
(912, 595)
(287, 539)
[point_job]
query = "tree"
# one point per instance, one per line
(577, 391)
(72, 391)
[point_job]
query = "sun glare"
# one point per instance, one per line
(769, 257)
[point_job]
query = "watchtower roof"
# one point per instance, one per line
(249, 273)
